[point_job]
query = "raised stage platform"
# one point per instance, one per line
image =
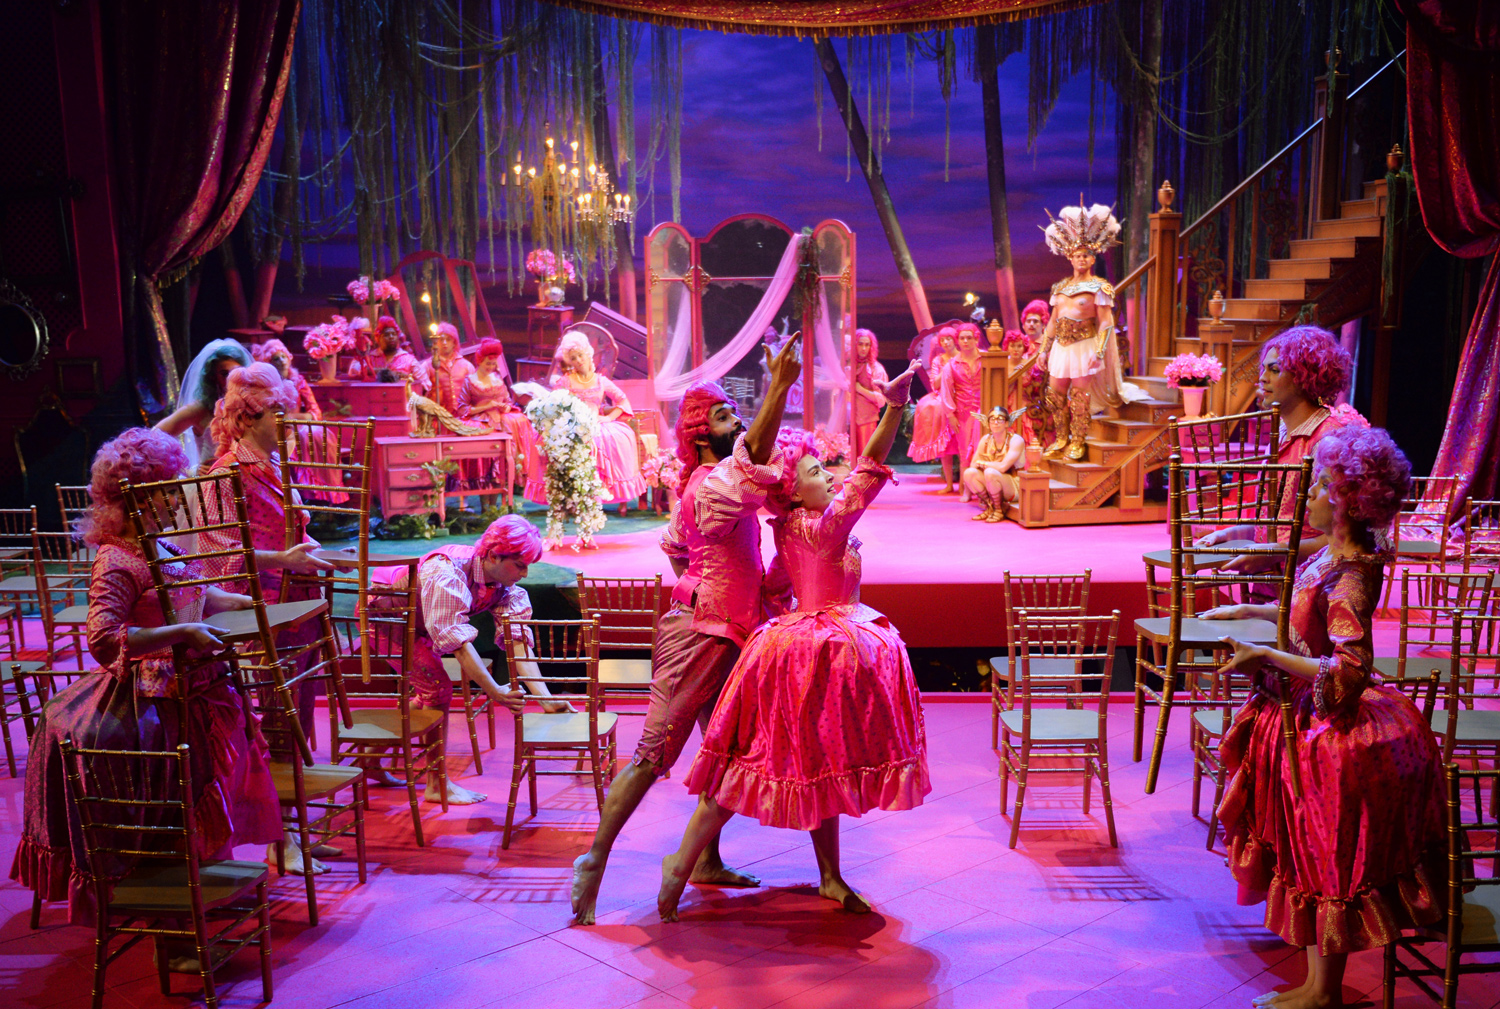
(938, 575)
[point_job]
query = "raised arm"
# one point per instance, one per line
(785, 367)
(897, 394)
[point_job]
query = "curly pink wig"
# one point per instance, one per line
(271, 349)
(572, 341)
(136, 455)
(860, 334)
(1368, 475)
(963, 327)
(1313, 359)
(249, 392)
(1037, 307)
(692, 422)
(447, 329)
(792, 445)
(510, 536)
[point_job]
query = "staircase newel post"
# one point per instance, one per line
(1161, 282)
(1217, 337)
(1334, 89)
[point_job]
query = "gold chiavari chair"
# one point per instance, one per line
(564, 653)
(1420, 533)
(209, 513)
(1467, 723)
(138, 814)
(1238, 437)
(62, 593)
(475, 703)
(1071, 734)
(16, 697)
(1247, 495)
(627, 610)
(1481, 531)
(1428, 602)
(32, 687)
(17, 561)
(1052, 595)
(1472, 924)
(387, 732)
(10, 620)
(72, 503)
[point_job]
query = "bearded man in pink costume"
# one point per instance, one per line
(389, 354)
(713, 541)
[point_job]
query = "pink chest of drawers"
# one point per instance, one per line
(405, 486)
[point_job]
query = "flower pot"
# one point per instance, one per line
(1192, 399)
(328, 367)
(541, 292)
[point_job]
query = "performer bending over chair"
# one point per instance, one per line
(714, 544)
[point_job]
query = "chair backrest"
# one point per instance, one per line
(1478, 639)
(1079, 637)
(72, 502)
(1236, 494)
(133, 804)
(555, 652)
(1481, 530)
(388, 633)
(16, 525)
(627, 610)
(330, 449)
(1424, 512)
(1054, 595)
(1468, 828)
(61, 579)
(1238, 437)
(1429, 600)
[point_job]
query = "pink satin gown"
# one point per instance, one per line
(932, 431)
(821, 715)
(490, 404)
(614, 446)
(1362, 855)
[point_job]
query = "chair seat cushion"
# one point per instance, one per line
(18, 583)
(71, 615)
(1476, 726)
(1212, 720)
(1055, 724)
(564, 729)
(1420, 548)
(1206, 633)
(317, 779)
(625, 672)
(162, 887)
(1481, 915)
(383, 725)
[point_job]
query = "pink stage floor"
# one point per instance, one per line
(935, 573)
(960, 919)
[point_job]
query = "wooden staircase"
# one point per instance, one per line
(1330, 277)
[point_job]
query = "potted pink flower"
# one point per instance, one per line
(1192, 374)
(550, 270)
(323, 344)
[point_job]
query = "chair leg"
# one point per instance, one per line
(1022, 769)
(473, 721)
(517, 769)
(1088, 781)
(994, 720)
(265, 936)
(1194, 745)
(205, 963)
(1213, 814)
(411, 786)
(101, 956)
(304, 842)
(361, 803)
(1109, 802)
(489, 714)
(1140, 696)
(531, 784)
(442, 762)
(1005, 752)
(10, 749)
(162, 958)
(36, 910)
(598, 776)
(1159, 745)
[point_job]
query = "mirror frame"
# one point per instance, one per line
(15, 297)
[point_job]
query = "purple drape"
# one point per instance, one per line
(1453, 94)
(197, 91)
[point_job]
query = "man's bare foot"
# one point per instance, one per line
(721, 875)
(945, 489)
(837, 890)
(293, 857)
(327, 851)
(673, 880)
(588, 871)
(458, 795)
(381, 778)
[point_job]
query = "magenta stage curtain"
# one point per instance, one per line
(197, 91)
(1453, 97)
(804, 18)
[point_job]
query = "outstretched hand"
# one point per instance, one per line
(1247, 658)
(898, 390)
(786, 366)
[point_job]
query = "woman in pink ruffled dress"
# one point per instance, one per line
(614, 446)
(821, 716)
(932, 432)
(869, 378)
(131, 702)
(1361, 855)
(484, 399)
(961, 398)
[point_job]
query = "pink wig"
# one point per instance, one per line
(249, 392)
(692, 422)
(1037, 307)
(860, 334)
(137, 455)
(1314, 361)
(1368, 475)
(447, 329)
(489, 348)
(510, 536)
(970, 327)
(572, 341)
(270, 350)
(793, 445)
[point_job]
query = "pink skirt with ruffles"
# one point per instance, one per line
(821, 717)
(932, 433)
(619, 465)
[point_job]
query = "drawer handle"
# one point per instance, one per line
(411, 455)
(413, 477)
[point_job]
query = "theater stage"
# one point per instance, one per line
(935, 573)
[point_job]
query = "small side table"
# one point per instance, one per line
(545, 325)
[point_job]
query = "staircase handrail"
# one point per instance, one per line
(1275, 158)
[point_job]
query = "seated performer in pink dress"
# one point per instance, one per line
(484, 399)
(821, 716)
(129, 703)
(304, 407)
(932, 431)
(439, 377)
(869, 378)
(961, 398)
(453, 584)
(1362, 854)
(615, 445)
(389, 354)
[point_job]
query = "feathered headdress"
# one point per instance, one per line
(1092, 228)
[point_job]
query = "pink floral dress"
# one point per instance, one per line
(131, 704)
(614, 447)
(489, 403)
(1362, 855)
(821, 715)
(932, 431)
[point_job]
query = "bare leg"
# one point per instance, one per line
(711, 869)
(625, 794)
(946, 461)
(292, 850)
(825, 841)
(1323, 988)
(708, 819)
(458, 795)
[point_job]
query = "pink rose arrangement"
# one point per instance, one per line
(663, 469)
(363, 290)
(1193, 370)
(831, 447)
(544, 264)
(328, 339)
